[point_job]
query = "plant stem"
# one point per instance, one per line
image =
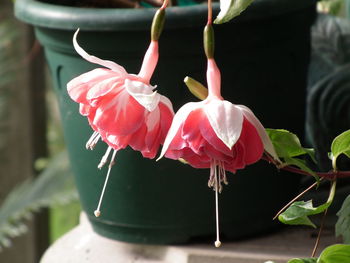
(210, 12)
(165, 4)
(331, 175)
(295, 198)
(319, 234)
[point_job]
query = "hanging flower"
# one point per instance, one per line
(216, 134)
(123, 109)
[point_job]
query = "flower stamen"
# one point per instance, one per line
(217, 242)
(97, 212)
(91, 143)
(104, 158)
(217, 169)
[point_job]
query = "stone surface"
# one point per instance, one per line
(83, 245)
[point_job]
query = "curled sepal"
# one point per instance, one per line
(208, 39)
(230, 9)
(157, 24)
(106, 63)
(196, 88)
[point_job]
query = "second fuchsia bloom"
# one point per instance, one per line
(123, 109)
(216, 134)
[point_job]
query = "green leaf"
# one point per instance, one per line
(287, 144)
(53, 186)
(298, 212)
(338, 253)
(341, 145)
(230, 9)
(342, 227)
(303, 260)
(301, 164)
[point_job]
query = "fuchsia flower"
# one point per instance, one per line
(123, 109)
(216, 134)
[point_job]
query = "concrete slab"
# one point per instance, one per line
(83, 245)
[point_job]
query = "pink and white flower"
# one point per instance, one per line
(216, 134)
(123, 109)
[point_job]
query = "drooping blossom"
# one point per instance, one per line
(123, 109)
(216, 134)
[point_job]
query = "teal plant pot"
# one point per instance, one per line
(263, 55)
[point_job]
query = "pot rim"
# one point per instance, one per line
(54, 16)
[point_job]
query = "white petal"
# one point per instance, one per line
(143, 94)
(166, 102)
(261, 130)
(106, 63)
(226, 120)
(179, 118)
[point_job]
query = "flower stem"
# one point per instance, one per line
(331, 175)
(210, 12)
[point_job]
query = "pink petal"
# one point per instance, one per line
(166, 116)
(106, 63)
(120, 115)
(102, 88)
(78, 87)
(117, 142)
(261, 130)
(84, 109)
(252, 143)
(178, 120)
(191, 132)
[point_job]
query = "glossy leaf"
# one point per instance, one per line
(342, 227)
(298, 213)
(230, 9)
(338, 253)
(287, 144)
(341, 145)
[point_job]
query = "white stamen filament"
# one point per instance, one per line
(91, 143)
(217, 242)
(104, 158)
(220, 173)
(94, 142)
(97, 212)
